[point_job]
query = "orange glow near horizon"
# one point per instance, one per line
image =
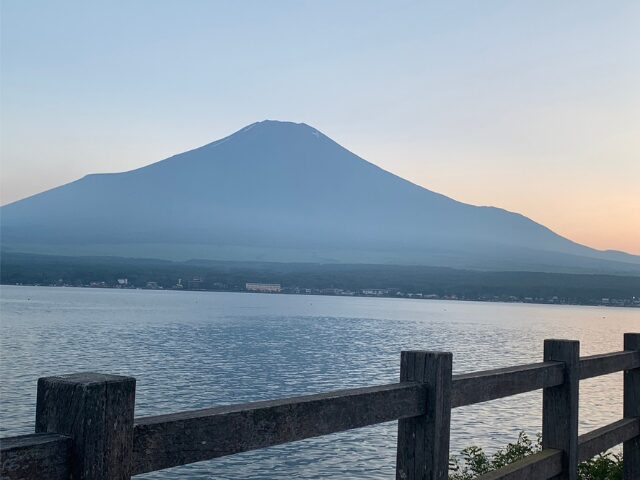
(593, 203)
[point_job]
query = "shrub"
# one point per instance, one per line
(603, 467)
(473, 461)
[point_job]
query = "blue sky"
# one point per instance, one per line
(531, 106)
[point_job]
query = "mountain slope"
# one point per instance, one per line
(285, 192)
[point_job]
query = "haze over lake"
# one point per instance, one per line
(191, 350)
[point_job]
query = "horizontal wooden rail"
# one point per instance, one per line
(39, 455)
(47, 454)
(602, 439)
(548, 463)
(597, 365)
(169, 440)
(477, 387)
(539, 466)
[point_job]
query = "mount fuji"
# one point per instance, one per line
(285, 192)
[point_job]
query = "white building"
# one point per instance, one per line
(374, 291)
(263, 287)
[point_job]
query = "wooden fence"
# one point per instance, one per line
(85, 426)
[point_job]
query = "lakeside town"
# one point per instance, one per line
(196, 283)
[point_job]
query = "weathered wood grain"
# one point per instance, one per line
(597, 365)
(560, 406)
(602, 439)
(169, 440)
(96, 411)
(539, 466)
(423, 441)
(488, 385)
(35, 456)
(631, 448)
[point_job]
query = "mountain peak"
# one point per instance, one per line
(280, 123)
(280, 126)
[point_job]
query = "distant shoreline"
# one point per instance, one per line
(355, 295)
(361, 280)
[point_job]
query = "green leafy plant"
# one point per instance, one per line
(474, 462)
(603, 467)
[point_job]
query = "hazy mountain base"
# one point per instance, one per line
(232, 276)
(489, 259)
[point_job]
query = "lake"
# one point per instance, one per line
(192, 350)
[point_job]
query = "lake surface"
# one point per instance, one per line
(192, 350)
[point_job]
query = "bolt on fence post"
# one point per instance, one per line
(560, 406)
(423, 442)
(96, 411)
(631, 448)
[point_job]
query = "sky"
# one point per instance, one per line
(530, 106)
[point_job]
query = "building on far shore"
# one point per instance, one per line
(263, 287)
(374, 291)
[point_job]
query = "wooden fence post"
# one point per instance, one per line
(631, 448)
(560, 406)
(96, 411)
(423, 442)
